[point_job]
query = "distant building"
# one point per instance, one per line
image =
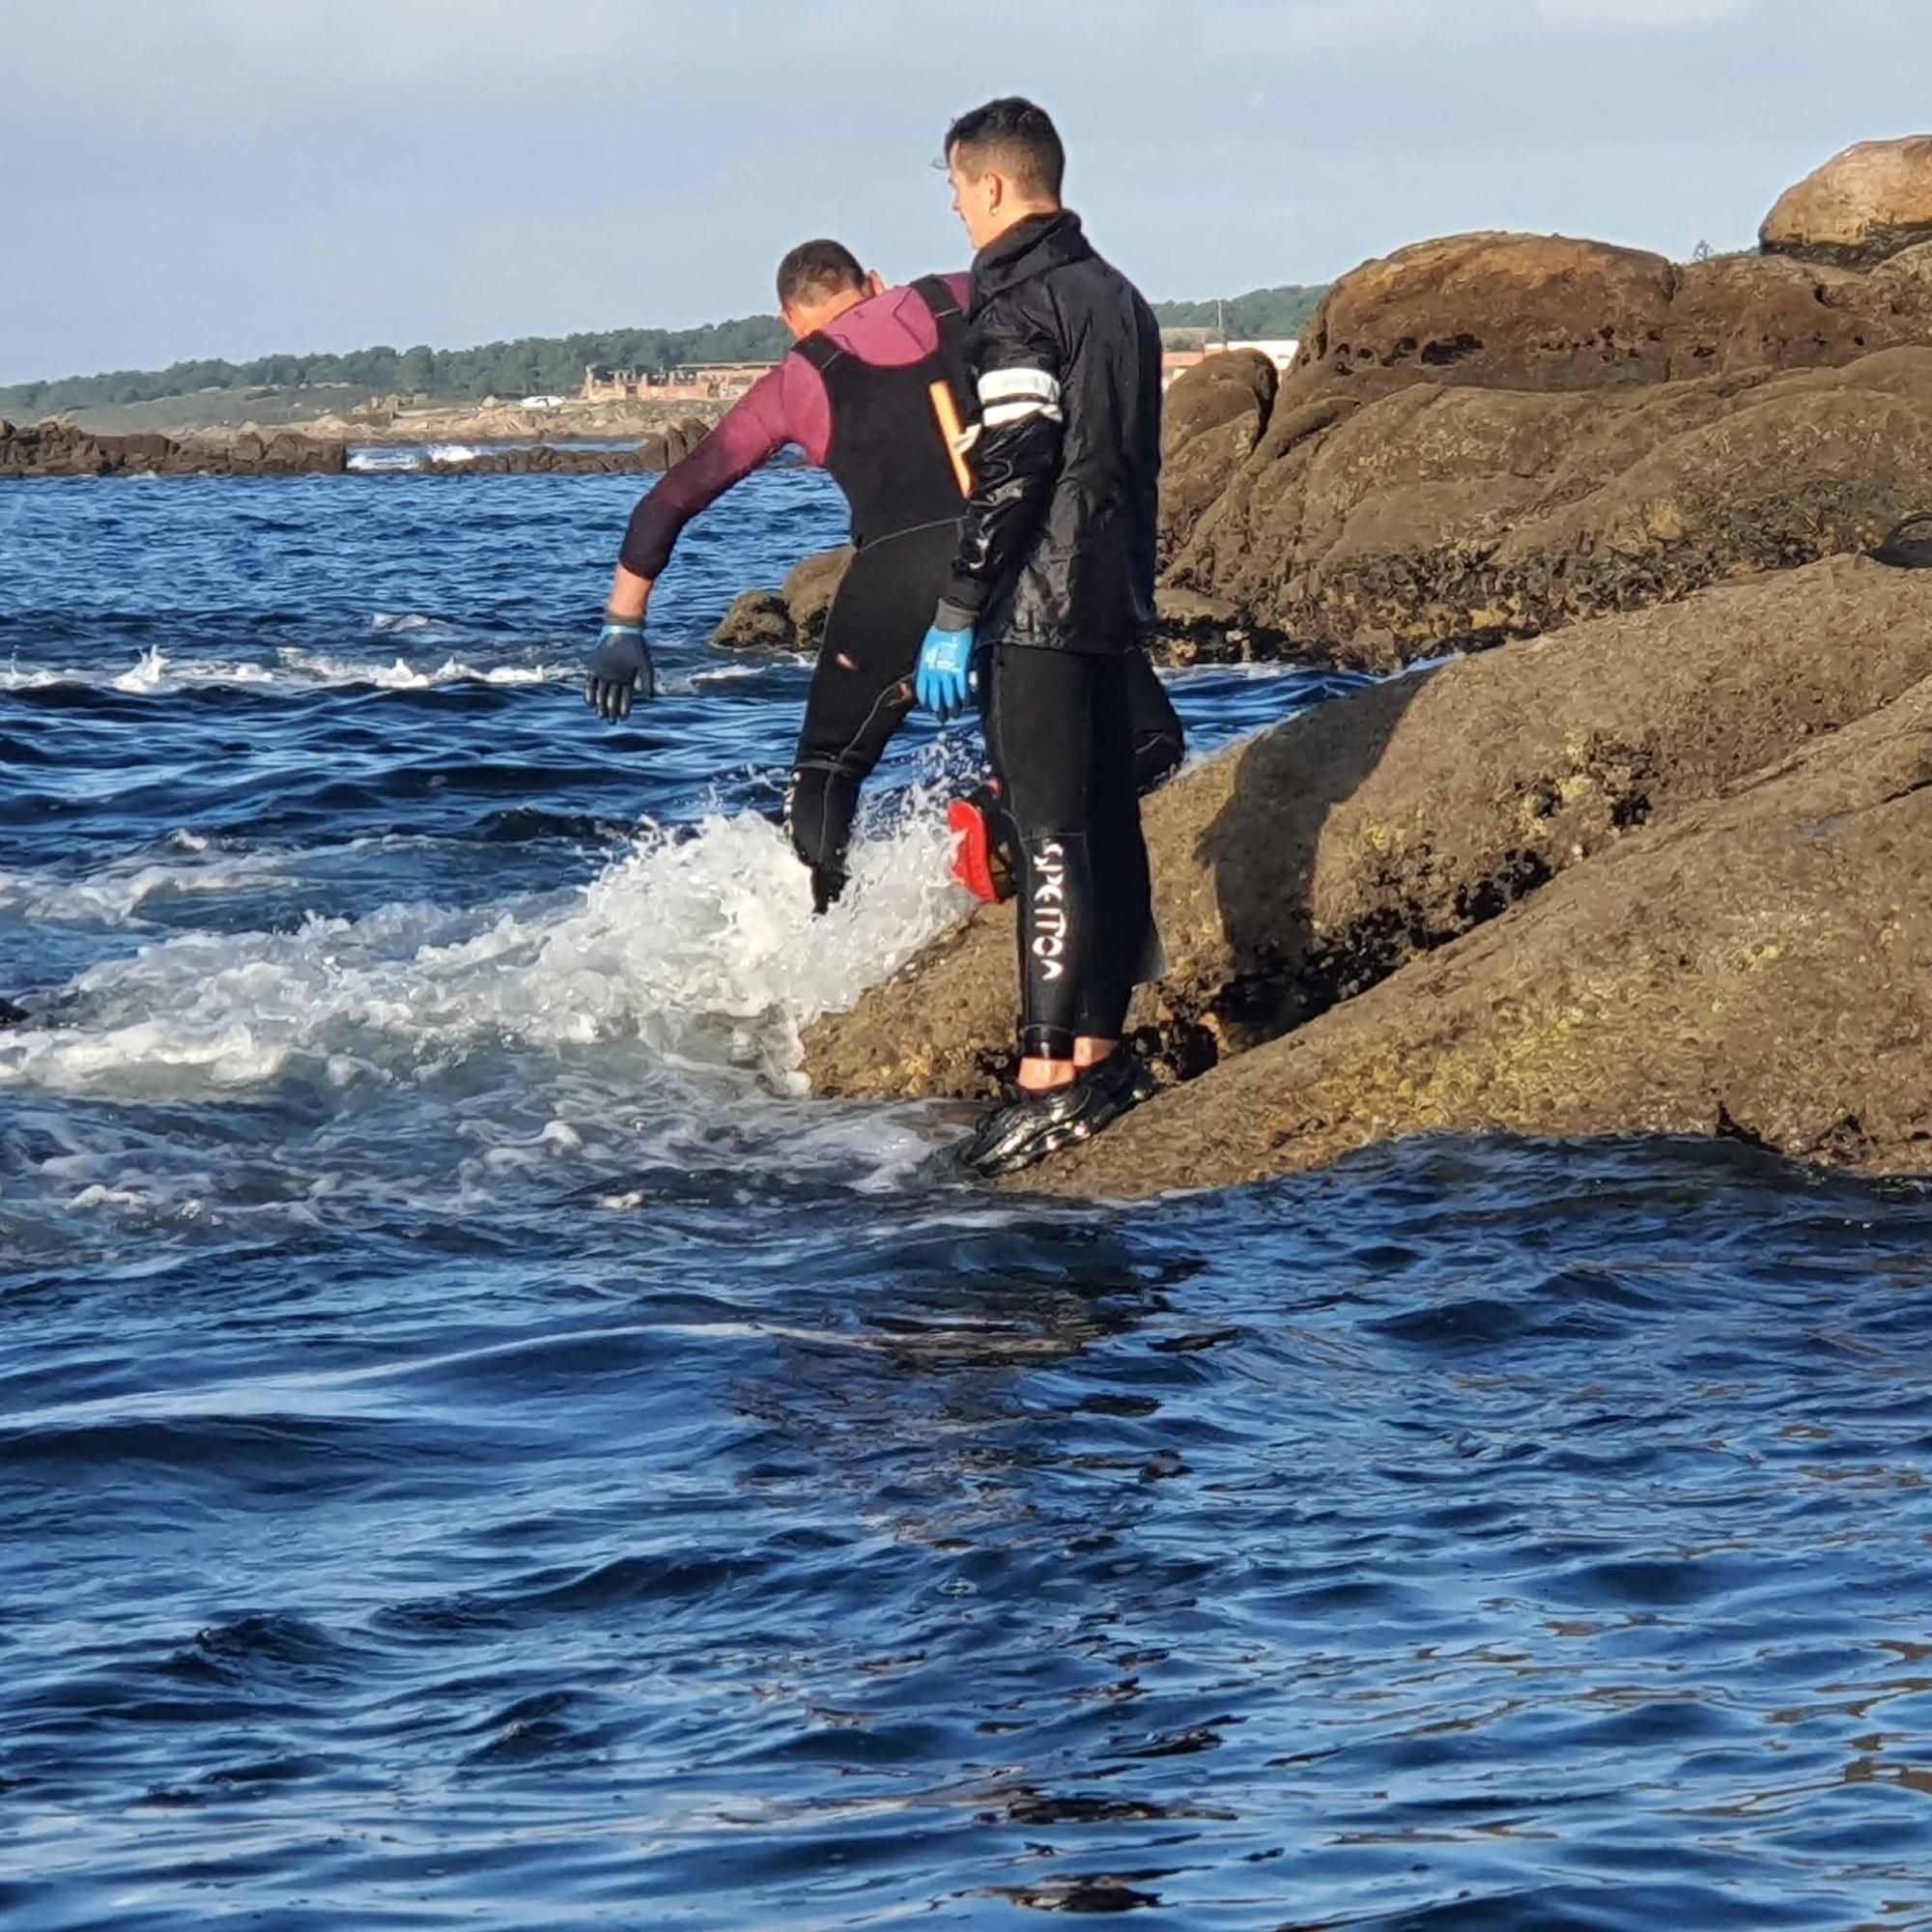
(1280, 350)
(704, 381)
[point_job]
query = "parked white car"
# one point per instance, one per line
(541, 403)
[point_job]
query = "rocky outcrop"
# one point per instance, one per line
(791, 618)
(1298, 871)
(1757, 966)
(652, 456)
(1860, 207)
(758, 620)
(1485, 436)
(808, 590)
(59, 449)
(1212, 418)
(1436, 518)
(1552, 315)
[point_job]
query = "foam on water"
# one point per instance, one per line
(377, 458)
(293, 668)
(699, 950)
(117, 892)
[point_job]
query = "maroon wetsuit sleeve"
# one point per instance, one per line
(777, 409)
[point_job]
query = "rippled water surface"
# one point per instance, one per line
(479, 1446)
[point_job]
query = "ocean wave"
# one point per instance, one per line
(378, 457)
(700, 950)
(117, 892)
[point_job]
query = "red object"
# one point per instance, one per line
(973, 850)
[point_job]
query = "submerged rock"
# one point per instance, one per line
(1301, 868)
(1862, 207)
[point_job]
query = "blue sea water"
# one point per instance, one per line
(480, 1446)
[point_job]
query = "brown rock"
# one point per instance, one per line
(809, 591)
(1212, 418)
(682, 437)
(1863, 205)
(1297, 870)
(1757, 966)
(1509, 311)
(1434, 519)
(758, 621)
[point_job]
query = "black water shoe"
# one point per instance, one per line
(1909, 547)
(1024, 1131)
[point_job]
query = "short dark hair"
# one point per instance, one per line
(815, 269)
(1017, 137)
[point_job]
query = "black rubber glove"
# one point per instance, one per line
(621, 666)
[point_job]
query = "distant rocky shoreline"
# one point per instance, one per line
(58, 448)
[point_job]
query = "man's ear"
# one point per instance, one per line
(875, 283)
(791, 321)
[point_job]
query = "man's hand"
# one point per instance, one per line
(945, 682)
(621, 666)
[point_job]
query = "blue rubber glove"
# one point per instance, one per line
(945, 682)
(621, 666)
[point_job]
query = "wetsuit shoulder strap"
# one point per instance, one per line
(937, 295)
(819, 349)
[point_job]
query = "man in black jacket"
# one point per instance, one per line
(1048, 607)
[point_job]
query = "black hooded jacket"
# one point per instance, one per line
(1058, 546)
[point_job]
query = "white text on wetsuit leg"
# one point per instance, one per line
(1049, 909)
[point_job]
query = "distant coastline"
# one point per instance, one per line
(383, 395)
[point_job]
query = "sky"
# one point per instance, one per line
(184, 178)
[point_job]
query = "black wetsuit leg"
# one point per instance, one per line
(1159, 745)
(862, 691)
(1060, 728)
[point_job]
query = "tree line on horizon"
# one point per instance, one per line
(549, 365)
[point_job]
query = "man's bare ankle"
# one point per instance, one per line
(1045, 1076)
(1088, 1052)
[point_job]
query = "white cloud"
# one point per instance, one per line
(1649, 15)
(1263, 27)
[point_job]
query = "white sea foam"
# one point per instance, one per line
(120, 891)
(699, 951)
(294, 670)
(377, 456)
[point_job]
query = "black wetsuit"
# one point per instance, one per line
(871, 424)
(887, 453)
(1056, 570)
